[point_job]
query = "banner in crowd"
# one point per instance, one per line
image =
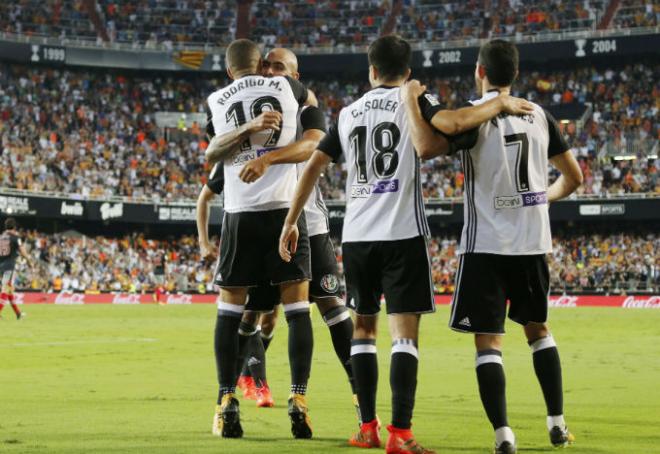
(66, 298)
(212, 60)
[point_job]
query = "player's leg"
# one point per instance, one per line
(295, 299)
(8, 292)
(230, 311)
(547, 366)
(479, 307)
(492, 389)
(408, 290)
(324, 291)
(268, 322)
(530, 284)
(248, 331)
(364, 289)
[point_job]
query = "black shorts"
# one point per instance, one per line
(249, 251)
(325, 272)
(400, 270)
(263, 298)
(484, 283)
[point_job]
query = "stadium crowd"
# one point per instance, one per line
(71, 262)
(305, 23)
(93, 133)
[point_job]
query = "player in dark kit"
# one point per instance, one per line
(385, 230)
(253, 215)
(10, 248)
(506, 236)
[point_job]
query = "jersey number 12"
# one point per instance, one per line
(236, 114)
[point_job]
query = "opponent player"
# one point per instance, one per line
(248, 252)
(506, 236)
(10, 248)
(385, 229)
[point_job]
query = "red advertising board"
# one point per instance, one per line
(65, 298)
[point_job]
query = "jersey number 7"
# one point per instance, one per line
(521, 144)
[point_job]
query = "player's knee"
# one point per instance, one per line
(250, 317)
(327, 304)
(293, 292)
(365, 327)
(488, 342)
(536, 331)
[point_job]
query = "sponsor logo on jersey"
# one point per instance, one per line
(242, 158)
(363, 191)
(526, 199)
(330, 283)
(263, 151)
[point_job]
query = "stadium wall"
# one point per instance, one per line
(65, 298)
(17, 203)
(436, 55)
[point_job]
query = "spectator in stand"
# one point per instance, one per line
(613, 263)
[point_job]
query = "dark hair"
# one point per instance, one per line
(391, 56)
(10, 224)
(242, 55)
(500, 58)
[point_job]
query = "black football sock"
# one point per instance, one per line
(266, 339)
(246, 333)
(340, 325)
(226, 346)
(492, 386)
(364, 361)
(256, 362)
(548, 371)
(301, 344)
(403, 381)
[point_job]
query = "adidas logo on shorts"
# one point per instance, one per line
(465, 322)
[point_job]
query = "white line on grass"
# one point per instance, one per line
(117, 340)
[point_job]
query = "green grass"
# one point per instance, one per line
(139, 379)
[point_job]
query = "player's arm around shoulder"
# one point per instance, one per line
(419, 105)
(313, 124)
(453, 122)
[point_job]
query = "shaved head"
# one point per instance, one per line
(281, 62)
(243, 56)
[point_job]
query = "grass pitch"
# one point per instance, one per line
(140, 379)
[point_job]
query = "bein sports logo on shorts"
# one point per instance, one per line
(363, 191)
(526, 199)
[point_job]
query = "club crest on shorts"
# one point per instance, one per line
(330, 283)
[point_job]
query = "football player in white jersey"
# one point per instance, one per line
(506, 236)
(324, 286)
(254, 213)
(385, 229)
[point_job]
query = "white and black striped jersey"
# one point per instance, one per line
(316, 213)
(238, 103)
(506, 179)
(383, 190)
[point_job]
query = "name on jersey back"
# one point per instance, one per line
(376, 104)
(246, 83)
